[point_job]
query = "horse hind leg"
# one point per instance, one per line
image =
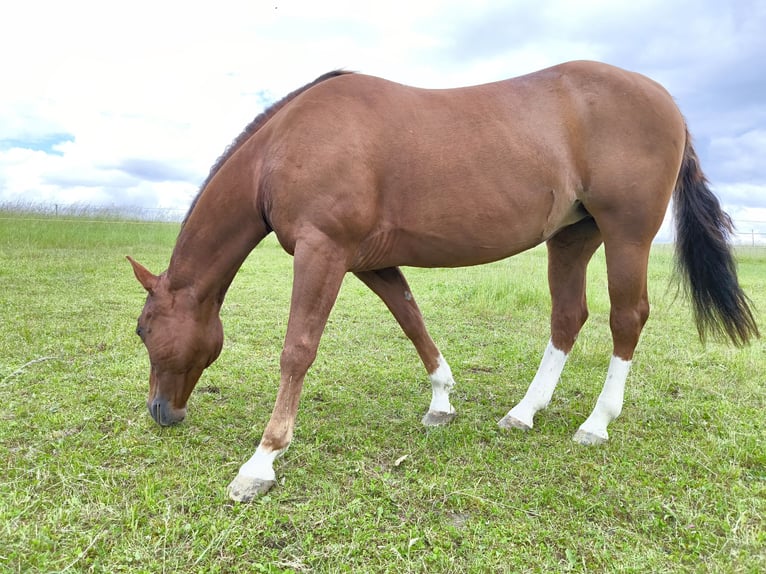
(391, 286)
(569, 252)
(626, 268)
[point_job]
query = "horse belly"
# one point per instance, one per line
(435, 237)
(428, 251)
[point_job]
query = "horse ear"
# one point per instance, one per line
(144, 276)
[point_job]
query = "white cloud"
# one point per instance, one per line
(740, 157)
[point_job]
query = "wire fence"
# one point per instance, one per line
(93, 213)
(752, 238)
(755, 236)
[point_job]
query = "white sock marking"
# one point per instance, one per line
(261, 464)
(441, 385)
(541, 389)
(609, 404)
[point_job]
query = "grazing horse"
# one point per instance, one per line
(358, 174)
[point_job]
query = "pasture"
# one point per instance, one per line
(90, 483)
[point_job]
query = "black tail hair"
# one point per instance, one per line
(704, 257)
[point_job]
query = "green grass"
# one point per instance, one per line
(90, 484)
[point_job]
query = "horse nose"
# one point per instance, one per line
(163, 414)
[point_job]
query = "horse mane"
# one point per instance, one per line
(253, 127)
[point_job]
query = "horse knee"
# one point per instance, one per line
(297, 356)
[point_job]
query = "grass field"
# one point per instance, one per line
(90, 484)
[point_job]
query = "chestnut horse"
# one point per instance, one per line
(356, 173)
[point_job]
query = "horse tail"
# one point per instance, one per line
(704, 257)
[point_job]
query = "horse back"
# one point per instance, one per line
(412, 176)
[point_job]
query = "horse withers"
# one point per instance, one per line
(358, 174)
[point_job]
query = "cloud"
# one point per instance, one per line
(497, 30)
(154, 171)
(740, 158)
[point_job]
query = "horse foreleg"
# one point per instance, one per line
(626, 269)
(391, 286)
(318, 273)
(569, 252)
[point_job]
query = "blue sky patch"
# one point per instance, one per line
(45, 142)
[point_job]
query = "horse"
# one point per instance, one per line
(359, 174)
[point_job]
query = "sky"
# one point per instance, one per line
(128, 104)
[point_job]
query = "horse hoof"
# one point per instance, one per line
(509, 422)
(245, 489)
(587, 438)
(438, 418)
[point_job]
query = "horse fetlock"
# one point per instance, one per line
(440, 411)
(609, 407)
(256, 477)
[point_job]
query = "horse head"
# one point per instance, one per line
(183, 337)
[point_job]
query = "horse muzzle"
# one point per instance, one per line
(163, 413)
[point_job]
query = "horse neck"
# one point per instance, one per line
(222, 229)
